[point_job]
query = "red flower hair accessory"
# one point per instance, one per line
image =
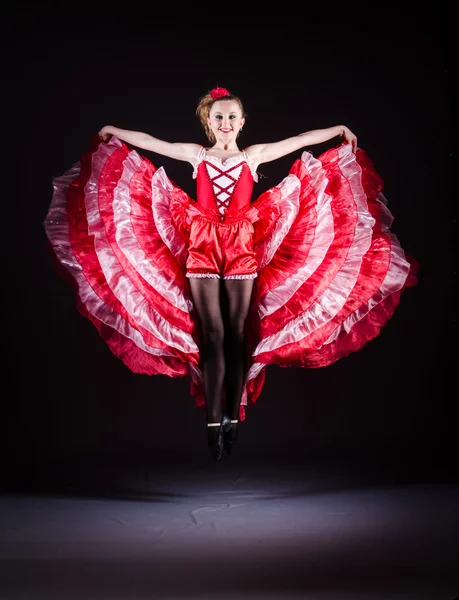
(218, 92)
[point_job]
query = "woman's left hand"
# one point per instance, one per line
(349, 138)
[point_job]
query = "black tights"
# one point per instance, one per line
(222, 306)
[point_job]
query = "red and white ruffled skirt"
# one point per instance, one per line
(330, 273)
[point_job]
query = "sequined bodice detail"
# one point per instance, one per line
(223, 186)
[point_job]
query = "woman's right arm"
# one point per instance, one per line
(177, 150)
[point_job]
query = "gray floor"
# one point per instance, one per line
(318, 531)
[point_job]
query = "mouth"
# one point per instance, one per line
(226, 130)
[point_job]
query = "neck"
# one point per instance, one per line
(230, 146)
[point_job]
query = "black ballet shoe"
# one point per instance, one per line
(213, 430)
(230, 437)
(215, 436)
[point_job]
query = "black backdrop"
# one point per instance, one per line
(67, 75)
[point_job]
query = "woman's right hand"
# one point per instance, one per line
(106, 132)
(349, 138)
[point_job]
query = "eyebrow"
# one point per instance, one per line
(233, 112)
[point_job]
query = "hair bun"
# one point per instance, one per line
(218, 92)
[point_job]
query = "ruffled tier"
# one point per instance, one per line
(330, 272)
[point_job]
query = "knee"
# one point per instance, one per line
(212, 338)
(237, 331)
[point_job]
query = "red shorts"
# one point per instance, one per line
(221, 249)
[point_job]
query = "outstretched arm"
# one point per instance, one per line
(261, 153)
(177, 150)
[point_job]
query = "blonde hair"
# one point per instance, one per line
(203, 109)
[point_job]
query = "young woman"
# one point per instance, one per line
(310, 269)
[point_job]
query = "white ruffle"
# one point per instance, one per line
(250, 276)
(226, 164)
(204, 275)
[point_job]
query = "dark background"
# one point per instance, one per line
(386, 76)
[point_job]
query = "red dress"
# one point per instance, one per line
(221, 234)
(328, 271)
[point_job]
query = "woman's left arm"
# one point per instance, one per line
(261, 153)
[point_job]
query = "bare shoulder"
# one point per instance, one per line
(254, 152)
(188, 151)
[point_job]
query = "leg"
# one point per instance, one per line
(206, 299)
(239, 296)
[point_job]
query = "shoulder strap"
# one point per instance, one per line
(254, 173)
(199, 159)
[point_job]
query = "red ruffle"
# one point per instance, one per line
(123, 247)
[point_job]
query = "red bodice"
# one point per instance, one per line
(223, 186)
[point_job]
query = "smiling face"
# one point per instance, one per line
(225, 120)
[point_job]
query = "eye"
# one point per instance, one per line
(218, 117)
(232, 116)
